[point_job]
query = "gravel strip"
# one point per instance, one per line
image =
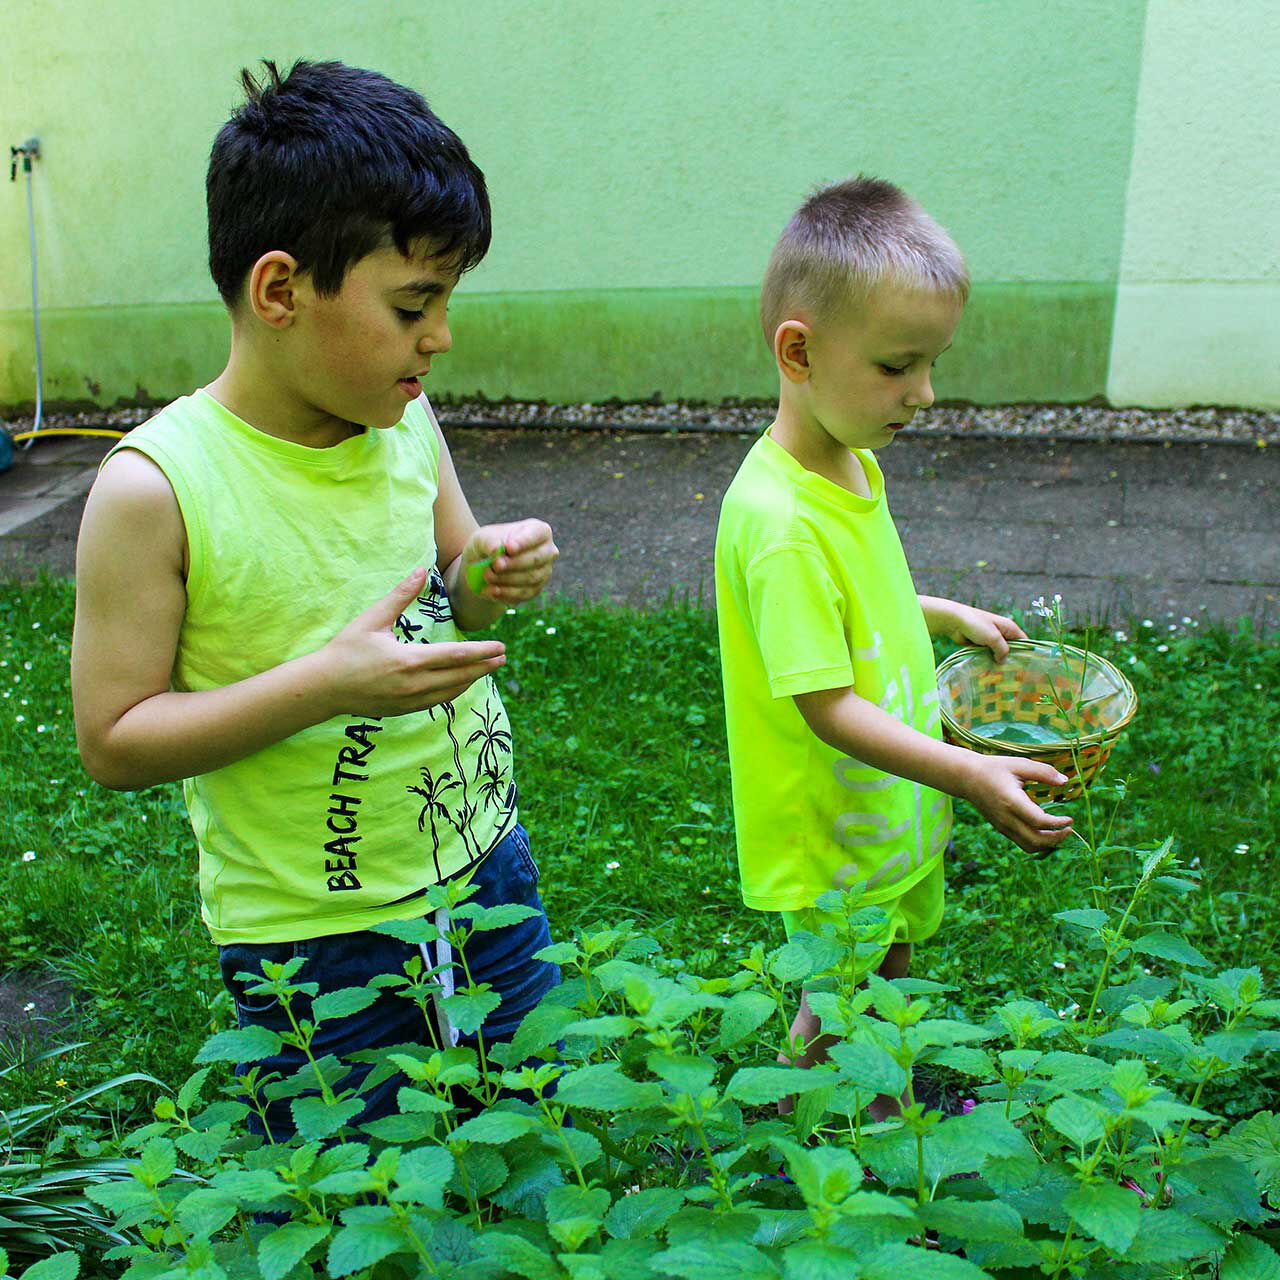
(1019, 421)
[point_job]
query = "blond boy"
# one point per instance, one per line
(840, 776)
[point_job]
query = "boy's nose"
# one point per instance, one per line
(436, 341)
(920, 394)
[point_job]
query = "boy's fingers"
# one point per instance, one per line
(380, 616)
(457, 654)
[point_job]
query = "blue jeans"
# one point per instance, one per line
(501, 957)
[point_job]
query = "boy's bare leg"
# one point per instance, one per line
(806, 1031)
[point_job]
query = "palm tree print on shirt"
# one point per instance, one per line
(431, 791)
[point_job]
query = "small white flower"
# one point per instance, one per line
(1173, 626)
(510, 612)
(1186, 622)
(1195, 862)
(1146, 622)
(541, 622)
(724, 937)
(612, 866)
(1241, 848)
(1059, 964)
(26, 1008)
(29, 856)
(1121, 635)
(41, 728)
(1162, 648)
(551, 631)
(35, 626)
(706, 888)
(19, 719)
(1133, 659)
(1057, 599)
(26, 666)
(1257, 686)
(1070, 1009)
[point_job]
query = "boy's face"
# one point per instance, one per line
(870, 372)
(360, 354)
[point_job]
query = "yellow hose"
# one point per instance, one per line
(108, 432)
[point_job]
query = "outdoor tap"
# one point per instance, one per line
(29, 151)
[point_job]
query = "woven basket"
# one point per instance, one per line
(974, 690)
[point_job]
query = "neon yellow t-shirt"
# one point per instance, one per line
(345, 824)
(813, 592)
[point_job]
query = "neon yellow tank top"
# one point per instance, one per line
(345, 824)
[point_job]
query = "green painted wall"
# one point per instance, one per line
(642, 159)
(1198, 313)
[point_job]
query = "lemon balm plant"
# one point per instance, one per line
(631, 1128)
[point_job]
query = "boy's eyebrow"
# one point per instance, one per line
(915, 355)
(426, 286)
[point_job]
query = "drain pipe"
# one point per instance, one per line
(26, 152)
(29, 151)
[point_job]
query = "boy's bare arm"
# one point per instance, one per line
(518, 574)
(134, 731)
(992, 784)
(967, 624)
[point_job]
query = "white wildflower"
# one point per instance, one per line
(612, 866)
(19, 719)
(1121, 635)
(1146, 622)
(510, 612)
(1162, 648)
(724, 937)
(29, 856)
(27, 1008)
(26, 666)
(1186, 622)
(42, 728)
(1195, 862)
(1241, 848)
(551, 631)
(1059, 964)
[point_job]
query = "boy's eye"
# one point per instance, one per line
(408, 316)
(891, 369)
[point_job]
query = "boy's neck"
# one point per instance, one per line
(258, 394)
(805, 440)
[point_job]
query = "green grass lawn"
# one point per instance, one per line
(625, 791)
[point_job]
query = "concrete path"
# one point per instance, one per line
(1122, 531)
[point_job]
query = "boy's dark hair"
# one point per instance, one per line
(331, 162)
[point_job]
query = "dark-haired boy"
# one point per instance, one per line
(332, 772)
(840, 777)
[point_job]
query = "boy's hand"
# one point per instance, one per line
(520, 555)
(373, 673)
(966, 624)
(994, 787)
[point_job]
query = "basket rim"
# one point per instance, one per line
(1041, 748)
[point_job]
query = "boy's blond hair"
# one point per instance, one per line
(848, 238)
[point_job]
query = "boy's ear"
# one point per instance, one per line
(791, 349)
(272, 289)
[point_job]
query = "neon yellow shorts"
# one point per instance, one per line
(912, 918)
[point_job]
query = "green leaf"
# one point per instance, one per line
(575, 1214)
(1079, 1120)
(762, 1085)
(972, 1219)
(642, 1212)
(247, 1044)
(810, 1260)
(190, 1091)
(422, 1175)
(1108, 1213)
(1172, 1236)
(791, 963)
(1087, 918)
(500, 917)
(58, 1266)
(467, 1010)
(480, 1171)
(612, 1026)
(965, 1059)
(870, 1067)
(366, 1240)
(420, 1102)
(903, 1262)
(414, 932)
(514, 1253)
(159, 1160)
(537, 1035)
(495, 1128)
(206, 1210)
(1168, 946)
(341, 1003)
(317, 1119)
(1256, 1141)
(603, 1087)
(743, 1015)
(1246, 1259)
(282, 1250)
(683, 1073)
(717, 1260)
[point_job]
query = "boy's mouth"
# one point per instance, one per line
(412, 387)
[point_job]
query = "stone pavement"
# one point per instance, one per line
(1121, 530)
